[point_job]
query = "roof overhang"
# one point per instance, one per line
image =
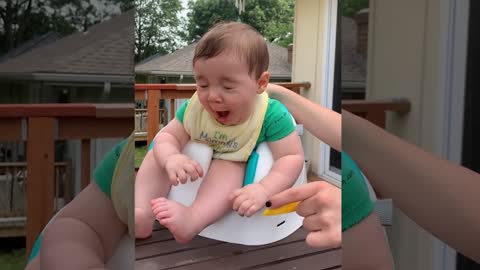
(67, 77)
(162, 72)
(185, 73)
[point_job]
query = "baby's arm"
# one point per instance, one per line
(288, 163)
(167, 150)
(84, 234)
(170, 141)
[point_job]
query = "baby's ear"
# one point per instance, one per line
(263, 82)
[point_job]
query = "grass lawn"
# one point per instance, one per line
(140, 152)
(12, 260)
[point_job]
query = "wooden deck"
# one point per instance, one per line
(162, 252)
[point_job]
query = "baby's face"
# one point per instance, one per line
(225, 88)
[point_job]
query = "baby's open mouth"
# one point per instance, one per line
(222, 115)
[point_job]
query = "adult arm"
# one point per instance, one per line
(438, 195)
(323, 123)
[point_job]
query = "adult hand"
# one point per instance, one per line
(320, 204)
(180, 168)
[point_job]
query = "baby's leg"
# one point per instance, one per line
(34, 264)
(151, 182)
(211, 202)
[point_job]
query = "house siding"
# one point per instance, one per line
(308, 58)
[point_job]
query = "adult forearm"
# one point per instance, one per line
(323, 123)
(439, 195)
(69, 243)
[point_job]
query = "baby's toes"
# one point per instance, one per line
(158, 208)
(158, 201)
(165, 221)
(162, 214)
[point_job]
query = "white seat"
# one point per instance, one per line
(254, 230)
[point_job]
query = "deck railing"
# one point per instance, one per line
(40, 125)
(153, 93)
(13, 179)
(141, 116)
(13, 199)
(375, 111)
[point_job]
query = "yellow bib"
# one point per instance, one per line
(234, 143)
(123, 185)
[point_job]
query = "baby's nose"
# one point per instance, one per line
(214, 96)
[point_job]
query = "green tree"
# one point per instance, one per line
(272, 18)
(350, 7)
(159, 27)
(20, 21)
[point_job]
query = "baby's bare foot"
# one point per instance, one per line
(179, 219)
(143, 223)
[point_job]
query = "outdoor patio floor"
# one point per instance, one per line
(161, 251)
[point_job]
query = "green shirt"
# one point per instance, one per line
(104, 171)
(276, 125)
(356, 202)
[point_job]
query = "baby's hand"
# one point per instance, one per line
(179, 167)
(249, 199)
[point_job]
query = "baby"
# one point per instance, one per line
(232, 114)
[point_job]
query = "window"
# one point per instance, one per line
(329, 166)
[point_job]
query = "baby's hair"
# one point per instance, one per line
(238, 38)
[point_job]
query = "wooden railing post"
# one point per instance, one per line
(85, 163)
(68, 181)
(152, 114)
(172, 109)
(377, 117)
(40, 169)
(375, 110)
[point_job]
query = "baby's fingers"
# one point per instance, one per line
(172, 177)
(252, 210)
(190, 169)
(197, 167)
(244, 207)
(182, 176)
(238, 201)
